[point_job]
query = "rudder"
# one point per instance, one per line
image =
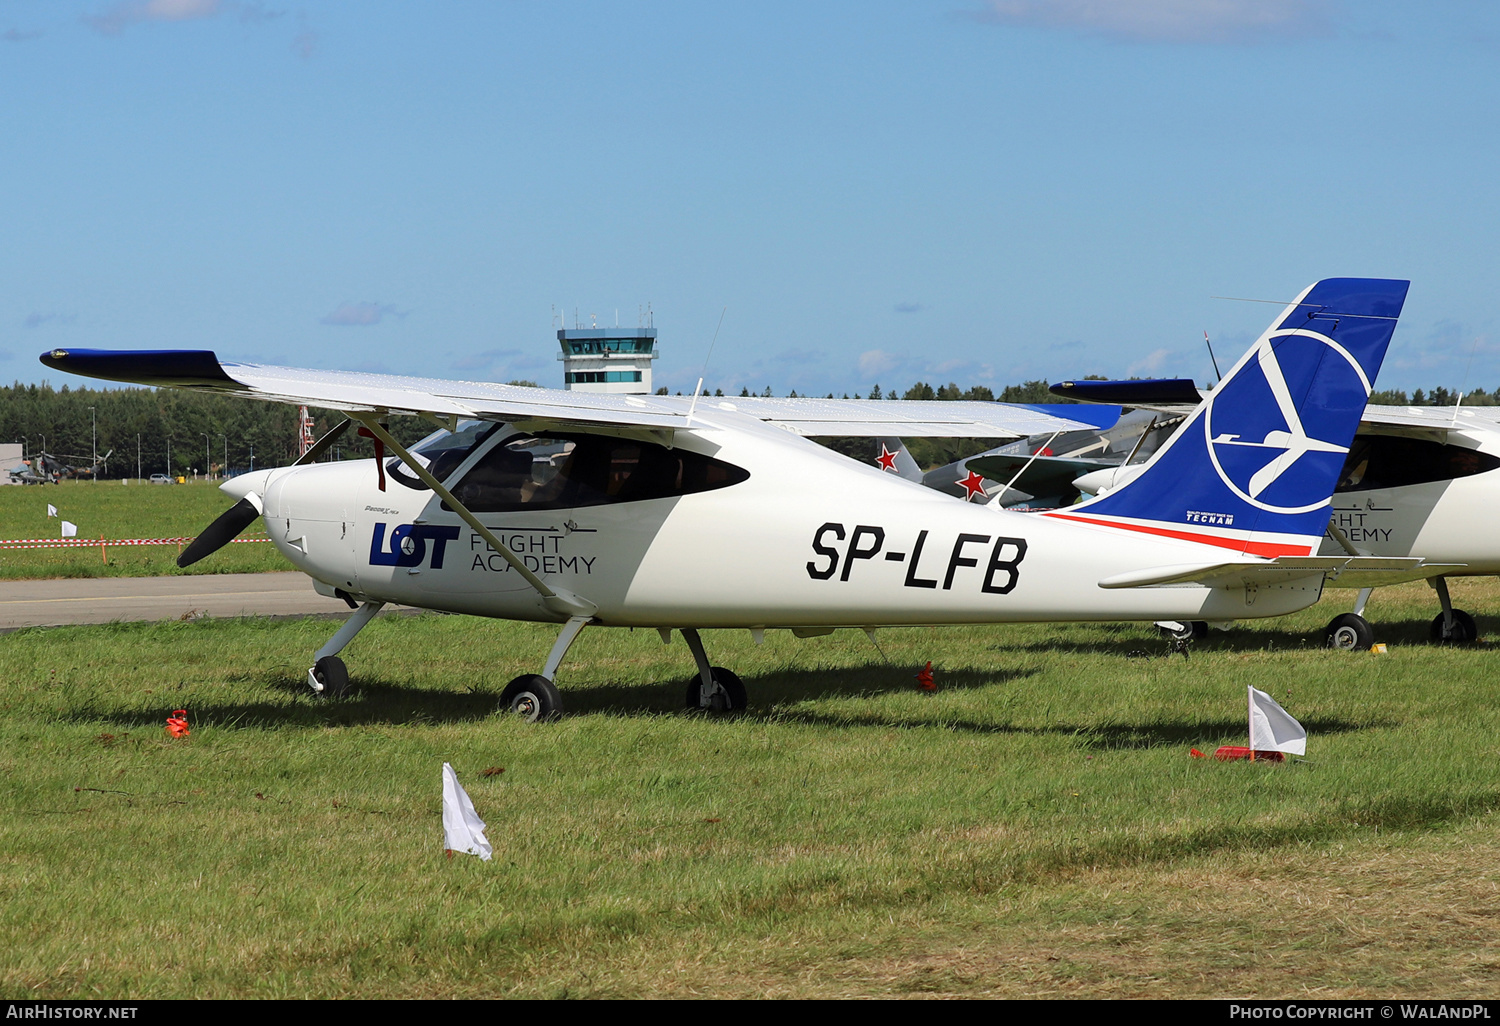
(1254, 468)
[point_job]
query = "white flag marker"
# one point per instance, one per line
(70, 530)
(1272, 728)
(51, 510)
(463, 830)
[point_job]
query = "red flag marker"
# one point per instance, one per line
(925, 681)
(1233, 753)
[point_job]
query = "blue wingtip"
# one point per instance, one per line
(1101, 417)
(1140, 392)
(198, 367)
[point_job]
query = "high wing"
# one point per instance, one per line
(1432, 421)
(355, 392)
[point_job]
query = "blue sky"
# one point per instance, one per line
(981, 192)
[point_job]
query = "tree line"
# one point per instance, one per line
(168, 431)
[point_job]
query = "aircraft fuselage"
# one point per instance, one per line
(810, 538)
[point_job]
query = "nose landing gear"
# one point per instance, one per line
(329, 676)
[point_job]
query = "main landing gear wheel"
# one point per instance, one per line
(533, 698)
(1191, 630)
(1463, 632)
(1350, 632)
(331, 672)
(728, 696)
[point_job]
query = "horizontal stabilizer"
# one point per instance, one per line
(1337, 571)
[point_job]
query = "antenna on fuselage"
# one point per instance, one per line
(699, 389)
(1460, 400)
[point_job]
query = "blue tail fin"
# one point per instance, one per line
(1254, 468)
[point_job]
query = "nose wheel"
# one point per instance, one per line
(329, 677)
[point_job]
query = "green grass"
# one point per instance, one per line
(112, 510)
(1034, 828)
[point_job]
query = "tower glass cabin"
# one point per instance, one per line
(616, 360)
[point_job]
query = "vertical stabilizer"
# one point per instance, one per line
(1254, 468)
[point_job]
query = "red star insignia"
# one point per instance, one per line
(973, 485)
(886, 459)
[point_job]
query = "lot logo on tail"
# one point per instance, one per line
(1264, 450)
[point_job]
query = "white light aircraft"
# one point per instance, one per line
(687, 514)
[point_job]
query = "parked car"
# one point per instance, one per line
(160, 479)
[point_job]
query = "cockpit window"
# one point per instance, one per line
(1385, 461)
(563, 471)
(442, 451)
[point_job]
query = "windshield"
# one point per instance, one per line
(565, 471)
(442, 451)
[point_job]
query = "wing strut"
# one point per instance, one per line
(562, 602)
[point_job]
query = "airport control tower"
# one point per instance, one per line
(616, 360)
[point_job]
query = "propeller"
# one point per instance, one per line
(222, 531)
(244, 513)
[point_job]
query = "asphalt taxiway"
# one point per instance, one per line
(110, 599)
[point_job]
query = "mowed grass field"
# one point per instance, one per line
(113, 510)
(1035, 828)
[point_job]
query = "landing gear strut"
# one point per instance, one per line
(1183, 630)
(714, 688)
(534, 697)
(1351, 632)
(329, 676)
(1451, 626)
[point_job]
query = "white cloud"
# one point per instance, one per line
(36, 320)
(305, 42)
(1172, 21)
(503, 365)
(1151, 365)
(876, 362)
(119, 17)
(360, 315)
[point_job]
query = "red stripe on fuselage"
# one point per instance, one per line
(1270, 550)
